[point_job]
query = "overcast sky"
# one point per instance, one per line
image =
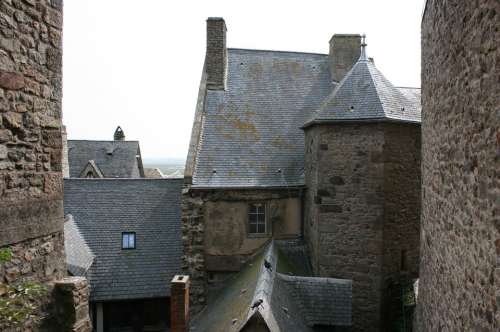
(138, 64)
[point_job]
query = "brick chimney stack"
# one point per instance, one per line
(179, 304)
(344, 53)
(216, 56)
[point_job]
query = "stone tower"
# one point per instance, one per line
(362, 205)
(459, 287)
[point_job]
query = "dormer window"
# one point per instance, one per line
(128, 240)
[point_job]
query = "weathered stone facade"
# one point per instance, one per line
(214, 233)
(37, 260)
(459, 286)
(362, 209)
(31, 209)
(30, 129)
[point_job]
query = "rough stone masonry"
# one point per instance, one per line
(459, 286)
(31, 212)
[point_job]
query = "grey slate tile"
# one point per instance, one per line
(251, 133)
(104, 208)
(116, 159)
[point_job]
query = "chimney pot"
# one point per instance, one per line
(344, 53)
(216, 55)
(179, 303)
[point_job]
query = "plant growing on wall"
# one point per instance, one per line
(20, 302)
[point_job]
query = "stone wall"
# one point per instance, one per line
(214, 232)
(71, 308)
(345, 206)
(459, 286)
(31, 211)
(402, 208)
(363, 208)
(30, 129)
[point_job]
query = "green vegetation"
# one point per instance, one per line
(20, 302)
(5, 255)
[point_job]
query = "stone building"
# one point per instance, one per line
(31, 202)
(319, 146)
(124, 235)
(459, 287)
(105, 159)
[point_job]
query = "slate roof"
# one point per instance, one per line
(289, 302)
(115, 159)
(364, 94)
(250, 133)
(79, 257)
(104, 208)
(252, 130)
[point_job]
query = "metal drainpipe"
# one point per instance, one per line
(301, 196)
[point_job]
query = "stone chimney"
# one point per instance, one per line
(216, 56)
(344, 53)
(119, 134)
(179, 304)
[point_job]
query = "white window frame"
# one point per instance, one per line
(259, 210)
(129, 240)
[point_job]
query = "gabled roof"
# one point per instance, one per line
(364, 94)
(104, 208)
(250, 135)
(277, 296)
(79, 257)
(116, 159)
(92, 169)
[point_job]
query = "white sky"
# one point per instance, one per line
(137, 63)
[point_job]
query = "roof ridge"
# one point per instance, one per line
(275, 51)
(407, 87)
(102, 140)
(123, 179)
(378, 79)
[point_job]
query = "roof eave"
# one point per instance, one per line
(202, 187)
(359, 120)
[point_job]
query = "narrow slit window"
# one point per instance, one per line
(257, 218)
(403, 265)
(128, 240)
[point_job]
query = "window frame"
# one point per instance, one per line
(128, 241)
(257, 223)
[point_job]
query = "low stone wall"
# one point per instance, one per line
(71, 306)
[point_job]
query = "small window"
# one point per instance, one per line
(257, 219)
(403, 265)
(128, 240)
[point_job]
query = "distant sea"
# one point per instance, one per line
(171, 168)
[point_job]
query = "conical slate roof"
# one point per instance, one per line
(366, 95)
